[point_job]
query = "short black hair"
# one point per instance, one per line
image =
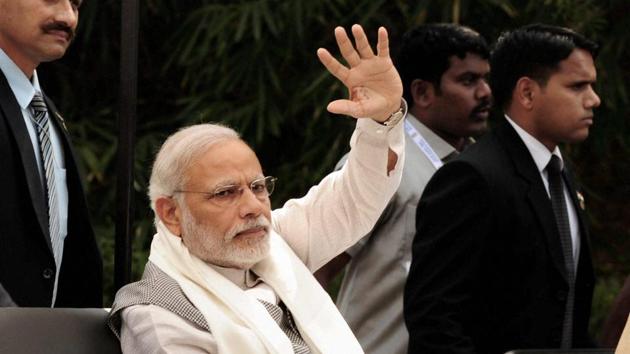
(425, 51)
(533, 51)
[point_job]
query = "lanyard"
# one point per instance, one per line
(422, 144)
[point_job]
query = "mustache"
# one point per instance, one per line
(260, 221)
(485, 104)
(60, 26)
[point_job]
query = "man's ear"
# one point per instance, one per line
(423, 93)
(169, 213)
(525, 92)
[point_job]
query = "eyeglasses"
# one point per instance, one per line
(228, 195)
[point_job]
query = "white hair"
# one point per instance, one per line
(177, 154)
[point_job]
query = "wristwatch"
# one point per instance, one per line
(395, 117)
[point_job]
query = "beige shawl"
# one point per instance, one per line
(239, 323)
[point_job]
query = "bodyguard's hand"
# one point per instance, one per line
(372, 80)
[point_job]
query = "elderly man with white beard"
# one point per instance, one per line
(228, 275)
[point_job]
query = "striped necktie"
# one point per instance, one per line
(39, 116)
(285, 321)
(558, 203)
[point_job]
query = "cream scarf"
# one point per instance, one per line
(239, 323)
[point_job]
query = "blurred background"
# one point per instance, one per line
(252, 65)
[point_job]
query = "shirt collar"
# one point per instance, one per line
(243, 278)
(23, 88)
(539, 152)
(441, 148)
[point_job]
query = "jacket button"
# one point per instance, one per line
(48, 273)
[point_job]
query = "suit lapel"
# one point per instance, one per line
(57, 119)
(568, 180)
(537, 196)
(584, 259)
(13, 115)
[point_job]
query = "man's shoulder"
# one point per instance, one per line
(153, 279)
(489, 154)
(488, 143)
(485, 163)
(417, 171)
(6, 94)
(155, 288)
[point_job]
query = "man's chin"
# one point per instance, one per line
(245, 257)
(245, 263)
(476, 130)
(53, 52)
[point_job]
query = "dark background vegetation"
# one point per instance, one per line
(252, 64)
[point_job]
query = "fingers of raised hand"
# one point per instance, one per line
(361, 41)
(332, 65)
(345, 107)
(346, 48)
(382, 47)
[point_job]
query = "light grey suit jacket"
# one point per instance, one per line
(371, 294)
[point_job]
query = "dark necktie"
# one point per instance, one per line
(558, 203)
(285, 321)
(42, 126)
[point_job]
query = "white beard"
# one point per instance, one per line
(209, 245)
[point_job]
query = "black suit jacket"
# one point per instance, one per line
(26, 260)
(487, 273)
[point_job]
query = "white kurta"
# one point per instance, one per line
(333, 215)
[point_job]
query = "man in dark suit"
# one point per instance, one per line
(48, 254)
(501, 258)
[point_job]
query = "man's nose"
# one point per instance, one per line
(483, 90)
(593, 100)
(249, 204)
(67, 13)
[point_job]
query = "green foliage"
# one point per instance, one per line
(251, 64)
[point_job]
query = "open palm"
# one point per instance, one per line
(372, 80)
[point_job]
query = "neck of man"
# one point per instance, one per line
(26, 66)
(525, 121)
(457, 142)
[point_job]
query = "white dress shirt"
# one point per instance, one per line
(542, 156)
